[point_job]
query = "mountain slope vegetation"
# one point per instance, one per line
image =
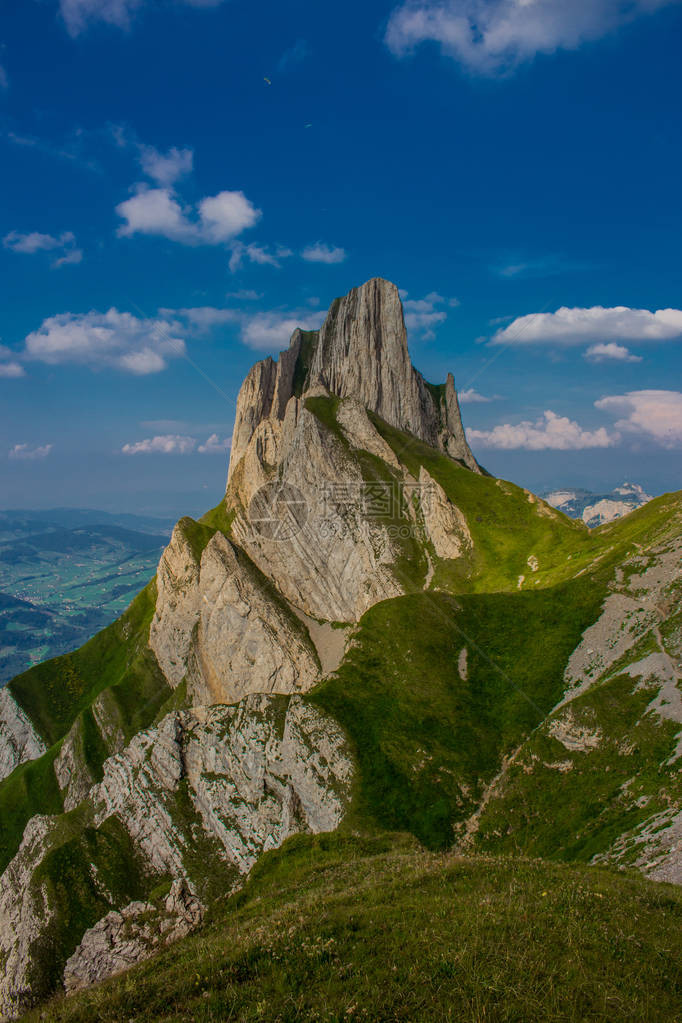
(433, 664)
(340, 928)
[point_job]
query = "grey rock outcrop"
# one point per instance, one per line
(247, 776)
(256, 772)
(25, 913)
(361, 353)
(219, 626)
(70, 767)
(123, 938)
(19, 740)
(444, 524)
(264, 394)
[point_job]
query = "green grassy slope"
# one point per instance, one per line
(54, 693)
(425, 739)
(339, 928)
(118, 662)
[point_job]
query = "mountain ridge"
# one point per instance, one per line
(490, 655)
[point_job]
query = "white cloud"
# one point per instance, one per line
(204, 318)
(472, 397)
(422, 315)
(36, 241)
(26, 453)
(588, 326)
(268, 330)
(490, 37)
(167, 444)
(321, 253)
(611, 352)
(656, 415)
(245, 295)
(70, 258)
(226, 215)
(214, 445)
(271, 331)
(105, 340)
(11, 370)
(550, 432)
(263, 255)
(216, 220)
(79, 15)
(166, 168)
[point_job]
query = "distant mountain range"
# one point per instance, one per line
(596, 509)
(66, 573)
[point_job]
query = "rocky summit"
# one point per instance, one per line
(369, 634)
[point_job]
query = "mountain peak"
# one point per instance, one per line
(359, 352)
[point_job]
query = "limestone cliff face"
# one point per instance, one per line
(247, 776)
(221, 628)
(361, 353)
(18, 739)
(332, 561)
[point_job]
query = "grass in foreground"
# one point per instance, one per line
(338, 928)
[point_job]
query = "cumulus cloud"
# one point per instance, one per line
(550, 432)
(166, 168)
(205, 317)
(266, 330)
(226, 215)
(262, 255)
(11, 370)
(214, 445)
(321, 253)
(271, 331)
(422, 315)
(216, 220)
(70, 258)
(589, 326)
(166, 444)
(611, 352)
(472, 397)
(36, 241)
(105, 340)
(79, 15)
(490, 37)
(27, 453)
(656, 415)
(9, 367)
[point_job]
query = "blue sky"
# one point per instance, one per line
(186, 181)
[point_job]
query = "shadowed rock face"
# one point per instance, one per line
(360, 353)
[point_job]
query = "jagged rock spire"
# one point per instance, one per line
(360, 352)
